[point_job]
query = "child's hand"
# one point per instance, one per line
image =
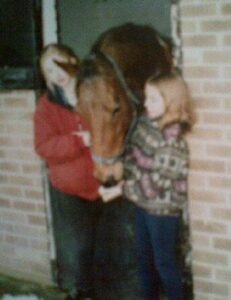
(108, 194)
(85, 135)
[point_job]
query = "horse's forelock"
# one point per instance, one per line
(93, 67)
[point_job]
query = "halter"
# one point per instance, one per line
(134, 101)
(106, 161)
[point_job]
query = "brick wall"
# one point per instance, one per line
(23, 229)
(206, 37)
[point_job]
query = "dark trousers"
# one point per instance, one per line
(75, 223)
(156, 247)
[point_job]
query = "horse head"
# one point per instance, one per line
(106, 104)
(111, 82)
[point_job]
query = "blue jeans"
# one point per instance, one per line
(75, 223)
(156, 248)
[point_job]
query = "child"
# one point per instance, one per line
(156, 170)
(62, 140)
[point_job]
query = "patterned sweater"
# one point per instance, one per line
(156, 168)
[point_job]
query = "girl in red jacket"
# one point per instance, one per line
(62, 141)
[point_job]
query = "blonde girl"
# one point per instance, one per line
(156, 171)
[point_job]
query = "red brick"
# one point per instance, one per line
(199, 296)
(207, 134)
(197, 210)
(226, 9)
(210, 287)
(200, 72)
(34, 194)
(198, 10)
(19, 128)
(227, 104)
(9, 166)
(21, 180)
(197, 149)
(200, 240)
(16, 240)
(37, 220)
(31, 168)
(223, 275)
(6, 227)
(208, 102)
(210, 258)
(196, 180)
(223, 214)
(218, 150)
(222, 244)
(218, 119)
(217, 87)
(227, 40)
(27, 231)
(17, 102)
(40, 207)
(188, 26)
(4, 202)
(39, 244)
(216, 26)
(13, 217)
(209, 226)
(200, 41)
(24, 206)
(202, 271)
(203, 195)
(208, 165)
(10, 191)
(222, 182)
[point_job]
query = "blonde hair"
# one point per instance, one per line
(73, 61)
(178, 104)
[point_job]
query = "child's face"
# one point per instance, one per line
(154, 102)
(55, 75)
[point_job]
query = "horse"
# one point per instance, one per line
(110, 89)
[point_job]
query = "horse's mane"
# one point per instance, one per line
(131, 33)
(139, 51)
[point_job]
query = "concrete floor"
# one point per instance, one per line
(11, 287)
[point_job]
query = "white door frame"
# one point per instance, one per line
(49, 22)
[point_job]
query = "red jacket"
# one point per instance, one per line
(68, 159)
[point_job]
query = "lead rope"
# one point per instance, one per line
(134, 99)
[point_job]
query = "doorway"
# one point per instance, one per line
(79, 24)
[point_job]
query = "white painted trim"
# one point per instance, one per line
(49, 22)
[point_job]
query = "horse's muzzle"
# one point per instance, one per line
(109, 175)
(111, 181)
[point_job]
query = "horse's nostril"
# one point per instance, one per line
(110, 181)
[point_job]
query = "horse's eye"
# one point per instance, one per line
(115, 111)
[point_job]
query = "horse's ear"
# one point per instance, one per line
(70, 68)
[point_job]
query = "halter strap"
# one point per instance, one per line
(135, 102)
(106, 161)
(134, 99)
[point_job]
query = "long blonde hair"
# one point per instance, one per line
(176, 95)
